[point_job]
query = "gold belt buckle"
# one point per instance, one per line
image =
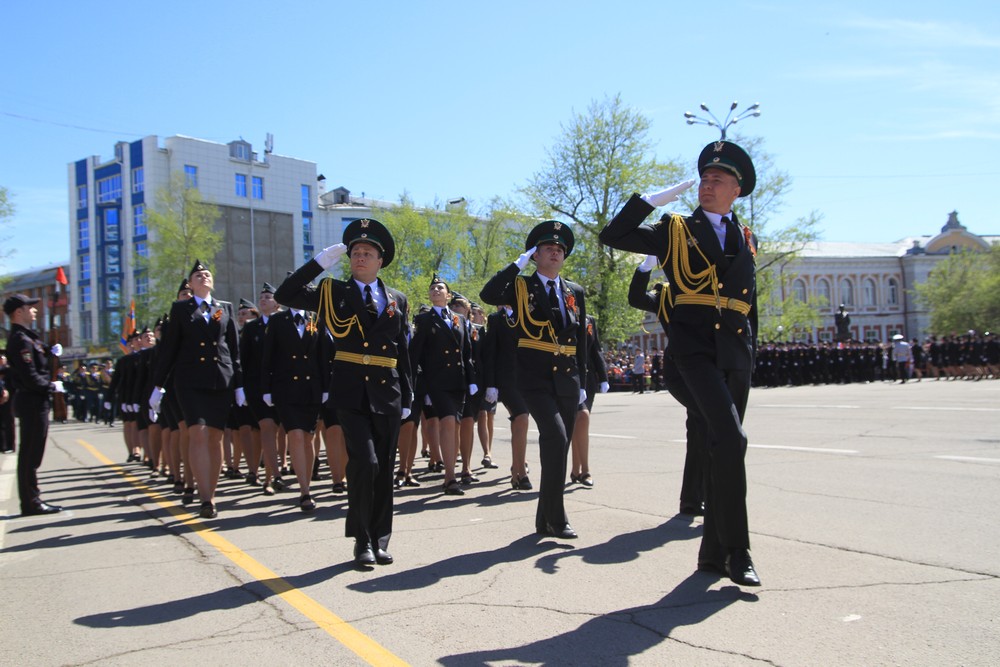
(366, 359)
(562, 349)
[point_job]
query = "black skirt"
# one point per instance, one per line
(301, 417)
(206, 407)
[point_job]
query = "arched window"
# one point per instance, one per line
(869, 293)
(823, 290)
(893, 292)
(799, 290)
(846, 292)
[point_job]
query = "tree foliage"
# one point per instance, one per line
(963, 292)
(182, 229)
(601, 157)
(6, 213)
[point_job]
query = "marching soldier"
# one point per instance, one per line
(709, 259)
(371, 368)
(551, 357)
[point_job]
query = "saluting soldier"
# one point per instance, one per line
(371, 369)
(201, 351)
(28, 374)
(442, 350)
(551, 357)
(709, 260)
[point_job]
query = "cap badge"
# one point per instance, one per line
(557, 226)
(718, 146)
(364, 223)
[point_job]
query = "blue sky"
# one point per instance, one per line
(886, 116)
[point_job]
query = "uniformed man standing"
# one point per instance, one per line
(371, 388)
(28, 374)
(551, 357)
(709, 261)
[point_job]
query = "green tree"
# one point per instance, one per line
(181, 228)
(963, 292)
(601, 157)
(6, 213)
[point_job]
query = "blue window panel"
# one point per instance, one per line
(241, 185)
(191, 176)
(258, 187)
(112, 231)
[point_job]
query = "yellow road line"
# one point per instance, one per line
(366, 648)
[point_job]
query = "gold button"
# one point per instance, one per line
(202, 343)
(201, 359)
(562, 349)
(447, 351)
(383, 381)
(215, 358)
(305, 356)
(366, 344)
(385, 347)
(718, 326)
(555, 368)
(366, 359)
(744, 290)
(294, 357)
(215, 344)
(720, 285)
(448, 365)
(739, 331)
(366, 378)
(295, 377)
(308, 377)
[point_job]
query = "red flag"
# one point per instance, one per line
(61, 276)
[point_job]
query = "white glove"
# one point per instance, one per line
(405, 413)
(583, 396)
(57, 386)
(664, 197)
(492, 394)
(427, 400)
(473, 388)
(241, 397)
(153, 415)
(604, 387)
(326, 396)
(525, 257)
(56, 350)
(267, 401)
(155, 398)
(329, 256)
(135, 408)
(107, 406)
(649, 263)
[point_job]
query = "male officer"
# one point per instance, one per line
(28, 374)
(372, 390)
(709, 261)
(551, 357)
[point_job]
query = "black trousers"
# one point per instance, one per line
(371, 453)
(32, 411)
(721, 397)
(554, 417)
(693, 481)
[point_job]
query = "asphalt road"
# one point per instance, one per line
(873, 516)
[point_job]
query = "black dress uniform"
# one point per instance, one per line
(712, 324)
(251, 354)
(290, 370)
(500, 361)
(442, 348)
(551, 366)
(28, 360)
(371, 380)
(597, 368)
(202, 355)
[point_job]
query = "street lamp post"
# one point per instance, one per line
(692, 119)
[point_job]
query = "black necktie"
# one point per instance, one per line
(732, 237)
(298, 319)
(554, 304)
(205, 307)
(370, 302)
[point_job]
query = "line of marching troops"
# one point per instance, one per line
(286, 357)
(345, 359)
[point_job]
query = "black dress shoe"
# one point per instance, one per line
(40, 508)
(188, 496)
(363, 554)
(383, 557)
(339, 488)
(693, 510)
(306, 503)
(566, 532)
(741, 569)
(278, 484)
(453, 488)
(208, 510)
